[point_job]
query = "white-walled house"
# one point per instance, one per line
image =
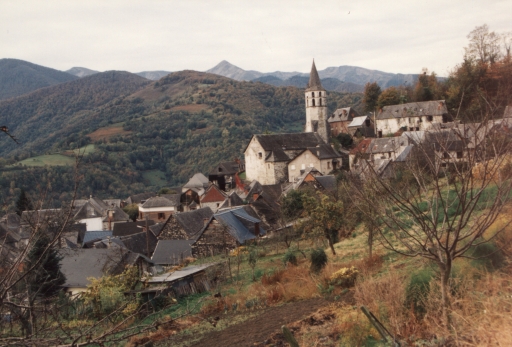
(414, 116)
(322, 157)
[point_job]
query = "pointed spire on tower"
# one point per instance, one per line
(314, 80)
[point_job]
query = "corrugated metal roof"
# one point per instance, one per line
(179, 274)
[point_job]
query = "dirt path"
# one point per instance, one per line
(259, 328)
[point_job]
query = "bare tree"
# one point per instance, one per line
(439, 204)
(484, 45)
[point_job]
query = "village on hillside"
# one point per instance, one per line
(238, 203)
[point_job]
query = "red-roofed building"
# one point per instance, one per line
(213, 198)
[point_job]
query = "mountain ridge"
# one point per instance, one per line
(19, 77)
(345, 73)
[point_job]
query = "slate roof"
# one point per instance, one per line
(158, 201)
(232, 219)
(387, 144)
(175, 199)
(414, 109)
(358, 121)
(157, 228)
(323, 151)
(172, 252)
(80, 264)
(91, 236)
(197, 181)
(402, 157)
(129, 228)
(192, 222)
(232, 200)
(276, 145)
(39, 216)
(314, 83)
(225, 168)
(328, 182)
(344, 114)
(137, 242)
(138, 198)
(95, 208)
(180, 274)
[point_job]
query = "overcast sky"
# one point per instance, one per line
(284, 35)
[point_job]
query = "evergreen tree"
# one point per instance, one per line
(23, 203)
(46, 278)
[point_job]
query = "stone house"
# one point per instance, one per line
(322, 157)
(312, 178)
(213, 198)
(362, 126)
(185, 225)
(340, 119)
(98, 215)
(198, 183)
(227, 230)
(159, 208)
(415, 116)
(267, 157)
(223, 175)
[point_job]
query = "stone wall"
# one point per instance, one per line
(214, 240)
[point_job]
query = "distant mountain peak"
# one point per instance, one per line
(81, 71)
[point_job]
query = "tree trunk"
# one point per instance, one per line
(445, 292)
(331, 245)
(370, 242)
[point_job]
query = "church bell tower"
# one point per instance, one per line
(316, 106)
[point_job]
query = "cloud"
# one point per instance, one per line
(266, 35)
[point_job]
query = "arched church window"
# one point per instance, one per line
(319, 93)
(313, 94)
(320, 102)
(313, 102)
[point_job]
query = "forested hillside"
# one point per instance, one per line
(18, 77)
(183, 123)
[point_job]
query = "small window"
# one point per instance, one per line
(303, 166)
(319, 93)
(161, 215)
(307, 155)
(313, 95)
(260, 155)
(430, 118)
(446, 155)
(328, 164)
(311, 165)
(460, 155)
(313, 102)
(292, 167)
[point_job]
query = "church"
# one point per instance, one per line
(279, 158)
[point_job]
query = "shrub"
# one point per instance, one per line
(290, 258)
(488, 256)
(318, 260)
(417, 290)
(344, 277)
